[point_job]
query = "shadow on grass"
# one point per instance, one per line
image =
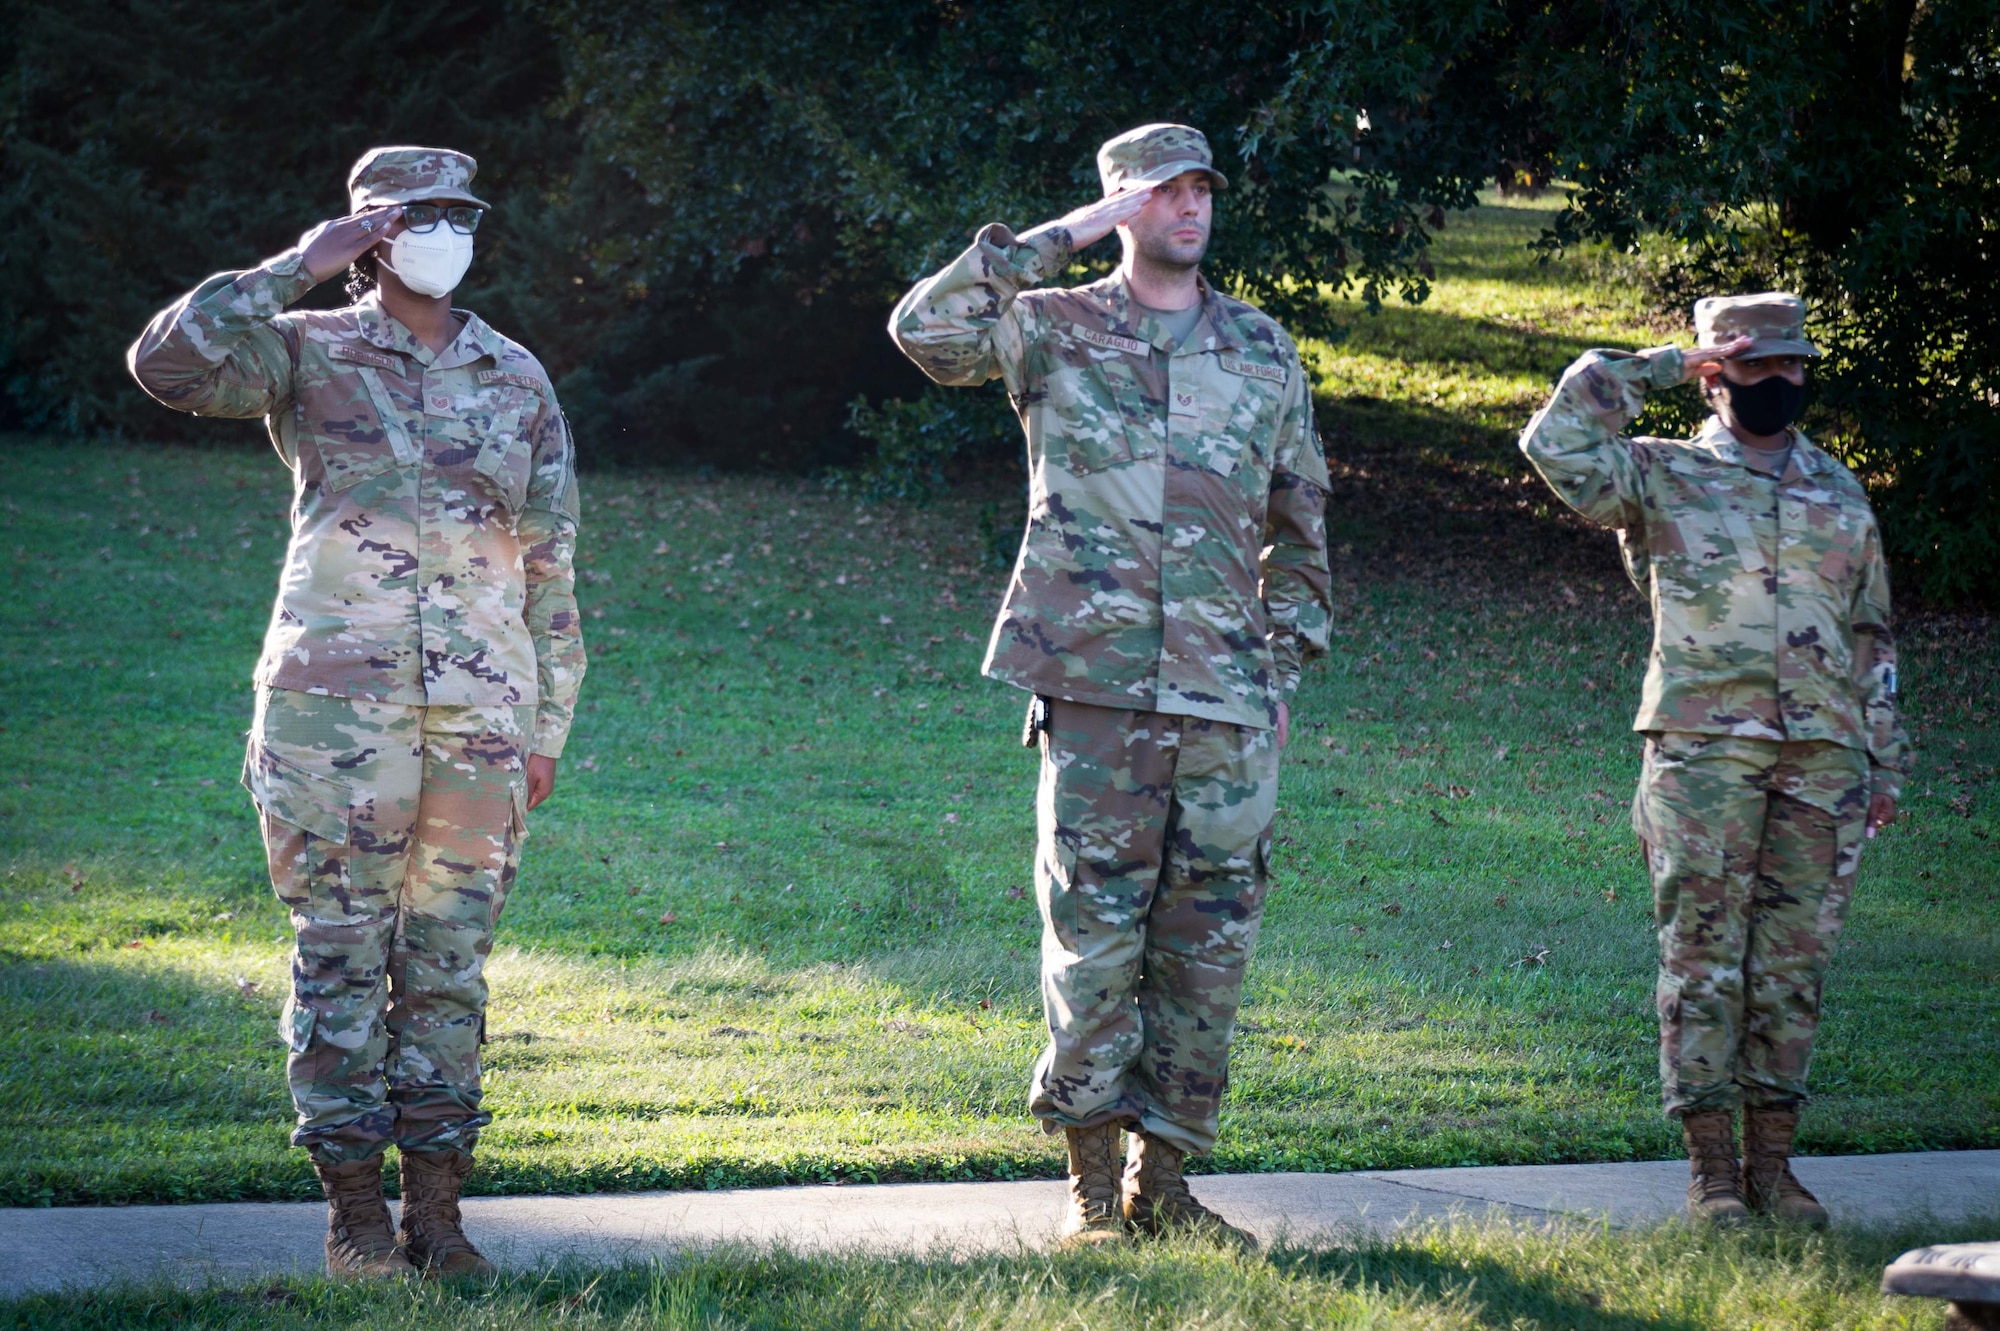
(194, 1066)
(1500, 1295)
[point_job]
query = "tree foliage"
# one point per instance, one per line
(147, 143)
(1847, 151)
(851, 145)
(706, 207)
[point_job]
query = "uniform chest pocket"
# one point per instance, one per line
(1227, 427)
(505, 455)
(356, 424)
(1097, 413)
(1711, 527)
(1825, 535)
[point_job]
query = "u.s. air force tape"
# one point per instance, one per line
(527, 381)
(1251, 369)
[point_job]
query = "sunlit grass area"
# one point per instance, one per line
(775, 924)
(1465, 1274)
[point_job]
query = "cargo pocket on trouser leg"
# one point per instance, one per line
(296, 1025)
(1055, 874)
(306, 825)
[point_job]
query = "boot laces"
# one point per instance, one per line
(430, 1207)
(1161, 1181)
(360, 1218)
(1093, 1187)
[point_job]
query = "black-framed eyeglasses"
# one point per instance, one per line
(424, 217)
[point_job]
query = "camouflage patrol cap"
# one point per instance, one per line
(1777, 319)
(1154, 154)
(411, 175)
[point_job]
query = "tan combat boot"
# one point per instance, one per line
(360, 1242)
(1715, 1191)
(432, 1234)
(1769, 1185)
(1093, 1187)
(1157, 1200)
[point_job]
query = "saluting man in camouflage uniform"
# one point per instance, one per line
(1172, 578)
(418, 678)
(1772, 741)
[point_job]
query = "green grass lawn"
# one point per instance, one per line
(1506, 1277)
(775, 925)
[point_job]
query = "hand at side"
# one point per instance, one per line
(541, 778)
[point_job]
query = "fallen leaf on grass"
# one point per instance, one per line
(909, 1028)
(1536, 956)
(734, 1032)
(1016, 893)
(246, 986)
(1357, 929)
(1609, 894)
(668, 918)
(985, 1005)
(1501, 901)
(633, 890)
(1392, 908)
(157, 1017)
(75, 876)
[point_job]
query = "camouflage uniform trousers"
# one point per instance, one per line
(1154, 833)
(393, 834)
(1752, 846)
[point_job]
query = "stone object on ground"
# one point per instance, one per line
(1968, 1274)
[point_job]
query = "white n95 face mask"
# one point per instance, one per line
(430, 263)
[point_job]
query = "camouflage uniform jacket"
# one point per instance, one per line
(435, 507)
(1175, 557)
(1770, 597)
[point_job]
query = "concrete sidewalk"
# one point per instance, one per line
(79, 1247)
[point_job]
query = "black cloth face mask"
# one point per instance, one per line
(1765, 407)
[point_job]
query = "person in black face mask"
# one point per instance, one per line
(1758, 392)
(1773, 749)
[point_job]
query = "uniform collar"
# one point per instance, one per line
(1807, 457)
(1215, 331)
(475, 341)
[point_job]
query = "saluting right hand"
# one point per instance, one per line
(331, 246)
(1094, 221)
(1699, 361)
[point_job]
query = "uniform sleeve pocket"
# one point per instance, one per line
(289, 793)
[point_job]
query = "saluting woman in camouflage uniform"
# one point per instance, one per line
(418, 677)
(1773, 748)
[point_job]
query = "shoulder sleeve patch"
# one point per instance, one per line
(347, 351)
(1131, 346)
(1253, 370)
(517, 380)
